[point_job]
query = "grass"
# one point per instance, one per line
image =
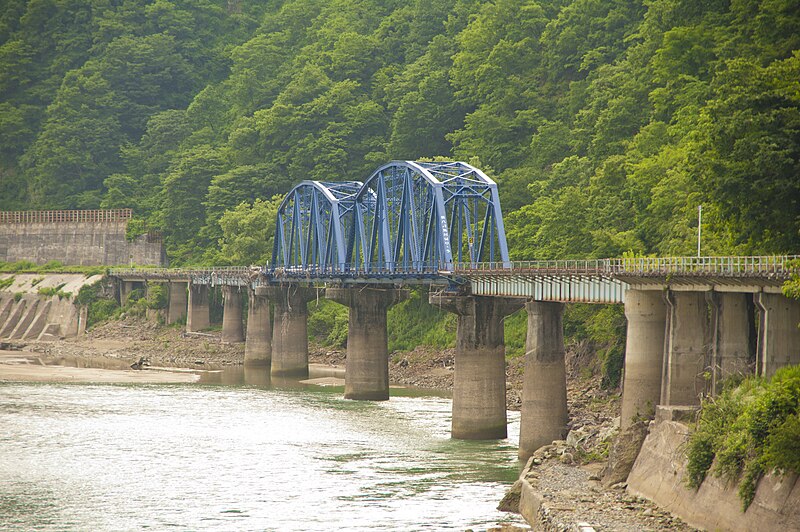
(51, 291)
(747, 431)
(54, 266)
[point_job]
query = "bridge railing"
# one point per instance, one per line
(583, 267)
(219, 272)
(412, 268)
(725, 266)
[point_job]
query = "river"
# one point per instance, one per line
(239, 457)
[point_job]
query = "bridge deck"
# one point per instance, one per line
(591, 281)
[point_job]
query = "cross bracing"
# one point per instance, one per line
(406, 218)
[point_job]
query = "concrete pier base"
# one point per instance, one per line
(232, 328)
(778, 335)
(198, 318)
(730, 344)
(479, 382)
(258, 343)
(367, 365)
(644, 355)
(289, 329)
(687, 342)
(178, 297)
(544, 394)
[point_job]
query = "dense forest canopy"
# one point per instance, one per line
(605, 122)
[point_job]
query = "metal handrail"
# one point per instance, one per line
(620, 267)
(731, 265)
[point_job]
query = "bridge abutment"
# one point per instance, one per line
(198, 317)
(178, 300)
(686, 346)
(232, 328)
(644, 354)
(544, 414)
(290, 329)
(258, 342)
(778, 335)
(367, 364)
(479, 387)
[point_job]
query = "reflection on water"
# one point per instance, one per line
(250, 455)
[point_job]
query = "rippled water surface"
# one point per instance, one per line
(92, 457)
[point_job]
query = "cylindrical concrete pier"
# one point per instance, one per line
(479, 382)
(290, 329)
(232, 328)
(258, 343)
(731, 336)
(644, 354)
(687, 347)
(178, 298)
(198, 317)
(367, 365)
(778, 336)
(544, 414)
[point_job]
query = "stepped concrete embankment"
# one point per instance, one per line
(42, 306)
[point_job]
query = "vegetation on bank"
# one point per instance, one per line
(52, 266)
(747, 431)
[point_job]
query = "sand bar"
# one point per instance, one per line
(18, 366)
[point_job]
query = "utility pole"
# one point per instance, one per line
(699, 226)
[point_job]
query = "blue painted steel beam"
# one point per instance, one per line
(407, 217)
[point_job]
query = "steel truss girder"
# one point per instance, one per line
(427, 215)
(408, 217)
(311, 223)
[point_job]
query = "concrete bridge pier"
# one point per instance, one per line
(686, 348)
(258, 343)
(731, 329)
(290, 329)
(178, 298)
(232, 328)
(644, 354)
(778, 335)
(367, 365)
(479, 387)
(198, 317)
(544, 414)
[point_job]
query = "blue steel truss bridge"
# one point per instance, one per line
(440, 223)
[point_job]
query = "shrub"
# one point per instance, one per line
(327, 323)
(157, 296)
(101, 310)
(747, 431)
(415, 322)
(5, 283)
(55, 291)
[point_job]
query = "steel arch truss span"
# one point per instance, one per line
(424, 216)
(311, 225)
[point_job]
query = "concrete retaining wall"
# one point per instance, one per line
(25, 314)
(78, 243)
(659, 474)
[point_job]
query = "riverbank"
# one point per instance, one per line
(565, 475)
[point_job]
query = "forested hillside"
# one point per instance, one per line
(605, 122)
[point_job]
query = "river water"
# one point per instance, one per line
(223, 457)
